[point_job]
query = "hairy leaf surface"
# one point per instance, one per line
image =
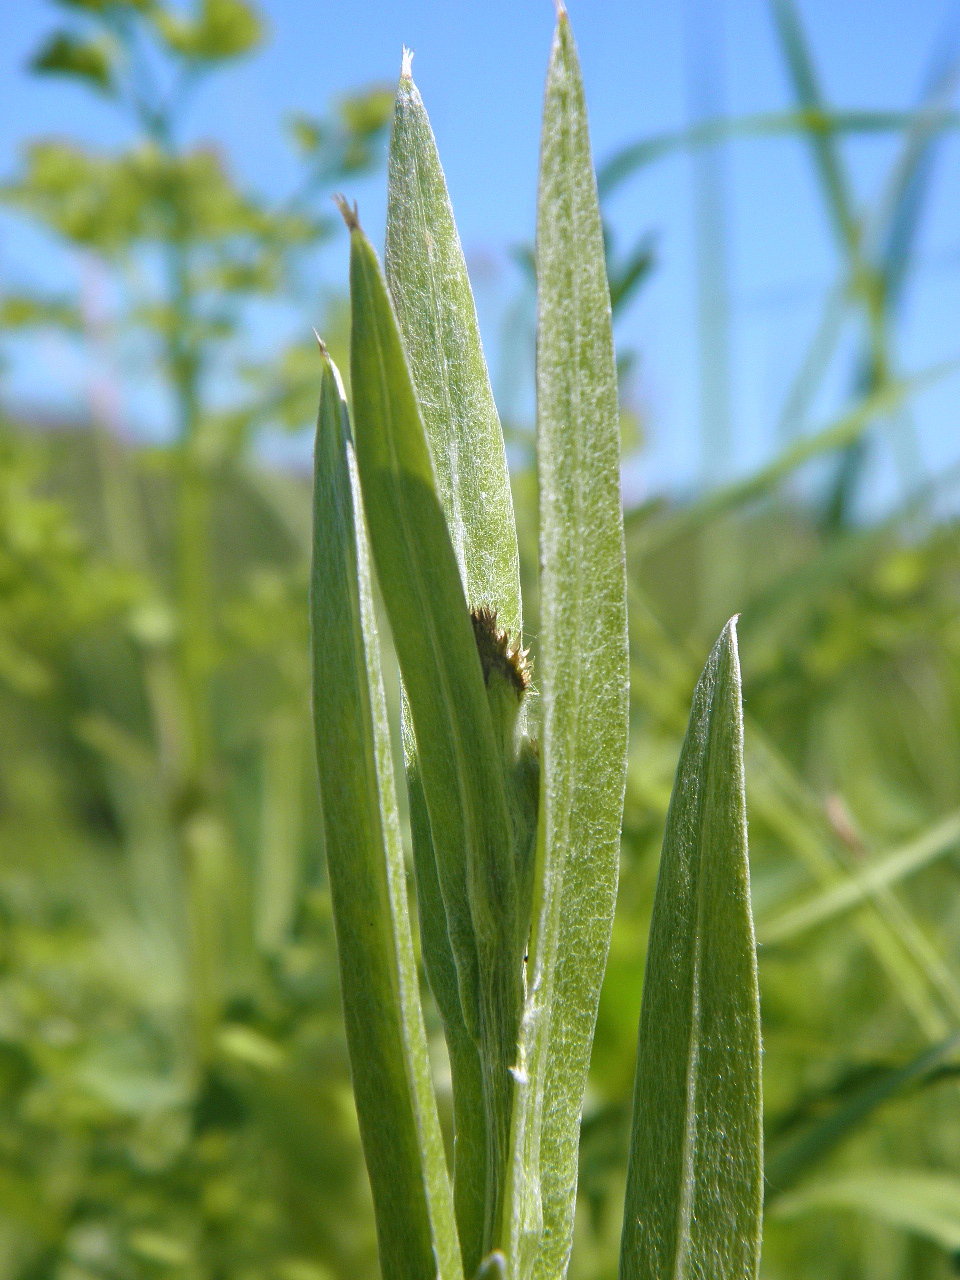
(396, 1107)
(695, 1174)
(582, 676)
(458, 756)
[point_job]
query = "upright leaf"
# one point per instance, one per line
(427, 278)
(459, 758)
(582, 676)
(392, 1085)
(466, 1071)
(695, 1175)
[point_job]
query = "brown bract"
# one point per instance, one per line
(499, 650)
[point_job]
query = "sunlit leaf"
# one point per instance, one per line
(388, 1053)
(427, 277)
(582, 676)
(428, 282)
(695, 1173)
(459, 757)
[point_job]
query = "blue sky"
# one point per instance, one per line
(480, 69)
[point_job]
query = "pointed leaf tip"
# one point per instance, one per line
(350, 215)
(694, 1180)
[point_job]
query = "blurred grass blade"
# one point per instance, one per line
(279, 868)
(694, 1180)
(898, 217)
(427, 277)
(793, 1157)
(582, 676)
(795, 812)
(457, 752)
(883, 872)
(766, 124)
(846, 430)
(392, 1084)
(807, 90)
(927, 1204)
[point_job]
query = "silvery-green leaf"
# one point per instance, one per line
(695, 1175)
(466, 1072)
(427, 277)
(459, 758)
(582, 677)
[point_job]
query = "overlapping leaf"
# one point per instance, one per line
(388, 1054)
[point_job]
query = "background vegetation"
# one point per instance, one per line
(174, 1094)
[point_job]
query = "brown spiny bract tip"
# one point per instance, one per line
(320, 343)
(349, 215)
(499, 650)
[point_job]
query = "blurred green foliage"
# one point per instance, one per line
(174, 1092)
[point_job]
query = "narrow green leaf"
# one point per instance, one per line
(466, 1072)
(459, 757)
(884, 871)
(582, 676)
(427, 277)
(927, 1204)
(695, 1174)
(392, 1085)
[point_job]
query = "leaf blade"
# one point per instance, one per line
(784, 1166)
(582, 675)
(694, 1180)
(388, 1053)
(430, 289)
(428, 282)
(434, 638)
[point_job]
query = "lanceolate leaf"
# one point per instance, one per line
(396, 1106)
(695, 1175)
(582, 675)
(458, 755)
(427, 277)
